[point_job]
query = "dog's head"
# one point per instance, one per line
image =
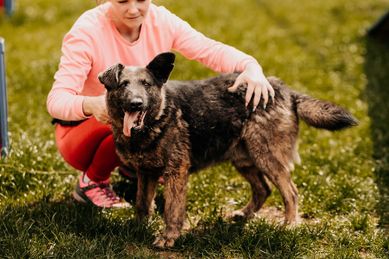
(136, 92)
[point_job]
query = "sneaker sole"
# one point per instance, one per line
(78, 198)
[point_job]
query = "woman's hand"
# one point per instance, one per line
(257, 84)
(96, 106)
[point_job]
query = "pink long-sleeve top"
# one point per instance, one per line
(93, 44)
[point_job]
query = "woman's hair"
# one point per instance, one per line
(100, 1)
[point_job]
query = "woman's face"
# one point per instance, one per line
(130, 13)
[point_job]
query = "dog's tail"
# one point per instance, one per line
(322, 114)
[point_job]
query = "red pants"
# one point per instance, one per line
(88, 147)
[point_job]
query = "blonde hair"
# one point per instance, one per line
(98, 2)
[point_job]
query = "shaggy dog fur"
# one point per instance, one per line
(171, 128)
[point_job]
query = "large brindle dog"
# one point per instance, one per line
(172, 128)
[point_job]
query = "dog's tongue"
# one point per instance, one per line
(128, 122)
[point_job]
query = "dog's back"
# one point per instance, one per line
(217, 119)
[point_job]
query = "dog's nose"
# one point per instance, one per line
(136, 103)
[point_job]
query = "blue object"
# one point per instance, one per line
(3, 103)
(9, 6)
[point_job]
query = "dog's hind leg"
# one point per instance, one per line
(271, 144)
(283, 181)
(260, 191)
(280, 176)
(145, 195)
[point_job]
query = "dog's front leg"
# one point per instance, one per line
(145, 195)
(175, 201)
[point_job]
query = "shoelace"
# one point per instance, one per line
(108, 192)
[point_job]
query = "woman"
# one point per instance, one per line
(131, 32)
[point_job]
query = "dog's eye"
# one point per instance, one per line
(124, 83)
(145, 83)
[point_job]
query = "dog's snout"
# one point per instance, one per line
(136, 103)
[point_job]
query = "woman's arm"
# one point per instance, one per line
(221, 58)
(65, 101)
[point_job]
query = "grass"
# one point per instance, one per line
(318, 47)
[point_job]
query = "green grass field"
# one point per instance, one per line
(318, 47)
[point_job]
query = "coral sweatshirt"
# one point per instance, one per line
(93, 44)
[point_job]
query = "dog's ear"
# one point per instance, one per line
(161, 67)
(110, 77)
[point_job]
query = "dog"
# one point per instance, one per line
(173, 128)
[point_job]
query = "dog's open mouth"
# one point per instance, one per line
(133, 120)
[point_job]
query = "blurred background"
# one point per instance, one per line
(317, 47)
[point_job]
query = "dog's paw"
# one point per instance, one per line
(292, 223)
(237, 215)
(163, 242)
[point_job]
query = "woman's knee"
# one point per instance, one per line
(79, 144)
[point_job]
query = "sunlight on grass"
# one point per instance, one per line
(317, 47)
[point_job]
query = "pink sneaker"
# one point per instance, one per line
(98, 194)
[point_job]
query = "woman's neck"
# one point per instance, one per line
(130, 34)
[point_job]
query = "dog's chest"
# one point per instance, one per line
(151, 161)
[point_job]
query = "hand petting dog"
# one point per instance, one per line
(257, 85)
